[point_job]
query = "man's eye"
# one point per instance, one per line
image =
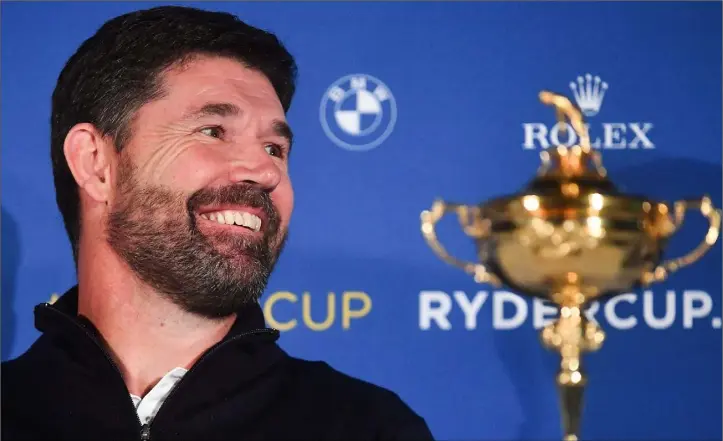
(214, 132)
(275, 150)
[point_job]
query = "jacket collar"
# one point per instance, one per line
(55, 318)
(61, 322)
(76, 350)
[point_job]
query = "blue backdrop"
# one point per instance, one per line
(449, 94)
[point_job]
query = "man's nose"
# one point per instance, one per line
(255, 166)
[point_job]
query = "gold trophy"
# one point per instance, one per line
(571, 237)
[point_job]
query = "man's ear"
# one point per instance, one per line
(89, 157)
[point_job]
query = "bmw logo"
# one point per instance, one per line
(358, 112)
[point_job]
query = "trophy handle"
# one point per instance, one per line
(680, 208)
(472, 224)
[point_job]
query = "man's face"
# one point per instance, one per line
(203, 196)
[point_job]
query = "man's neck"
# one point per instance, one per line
(146, 334)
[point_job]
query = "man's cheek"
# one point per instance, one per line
(283, 195)
(290, 205)
(286, 216)
(178, 163)
(191, 174)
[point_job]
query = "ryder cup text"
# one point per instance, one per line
(661, 310)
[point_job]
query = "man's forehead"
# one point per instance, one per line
(219, 79)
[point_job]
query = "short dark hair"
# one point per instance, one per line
(118, 70)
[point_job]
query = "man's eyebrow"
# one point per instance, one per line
(282, 129)
(212, 109)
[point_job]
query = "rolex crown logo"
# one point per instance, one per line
(589, 93)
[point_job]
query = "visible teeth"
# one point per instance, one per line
(230, 217)
(247, 220)
(238, 218)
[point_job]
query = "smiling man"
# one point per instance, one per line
(170, 152)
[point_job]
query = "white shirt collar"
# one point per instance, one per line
(148, 406)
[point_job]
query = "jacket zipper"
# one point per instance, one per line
(145, 428)
(198, 363)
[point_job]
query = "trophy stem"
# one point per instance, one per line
(571, 335)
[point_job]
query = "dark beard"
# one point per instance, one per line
(154, 231)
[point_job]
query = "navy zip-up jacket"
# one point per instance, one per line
(66, 387)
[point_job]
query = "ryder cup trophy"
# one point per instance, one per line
(571, 237)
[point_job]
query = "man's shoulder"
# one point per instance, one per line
(27, 382)
(28, 368)
(332, 381)
(344, 393)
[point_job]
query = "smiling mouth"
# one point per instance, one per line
(238, 218)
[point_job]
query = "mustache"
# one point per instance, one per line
(237, 194)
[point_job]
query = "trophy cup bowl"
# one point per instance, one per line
(571, 237)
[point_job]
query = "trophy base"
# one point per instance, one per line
(571, 335)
